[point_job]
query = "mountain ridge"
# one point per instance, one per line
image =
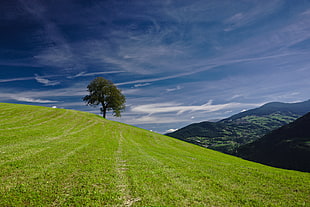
(297, 108)
(242, 128)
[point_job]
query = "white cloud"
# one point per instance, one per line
(15, 79)
(32, 100)
(174, 89)
(179, 109)
(45, 81)
(154, 120)
(40, 79)
(236, 96)
(76, 90)
(160, 78)
(141, 85)
(251, 14)
(170, 131)
(85, 74)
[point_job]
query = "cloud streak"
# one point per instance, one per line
(87, 74)
(32, 100)
(16, 79)
(45, 81)
(155, 120)
(179, 109)
(252, 15)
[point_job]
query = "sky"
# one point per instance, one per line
(177, 61)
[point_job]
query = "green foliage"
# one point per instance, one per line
(104, 92)
(56, 157)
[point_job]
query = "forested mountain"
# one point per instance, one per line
(245, 127)
(287, 147)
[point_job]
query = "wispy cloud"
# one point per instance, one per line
(41, 79)
(16, 79)
(75, 91)
(87, 74)
(141, 85)
(32, 100)
(170, 130)
(179, 109)
(155, 120)
(59, 56)
(158, 78)
(174, 89)
(252, 14)
(204, 66)
(57, 52)
(45, 81)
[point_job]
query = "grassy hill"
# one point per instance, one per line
(245, 127)
(56, 157)
(287, 147)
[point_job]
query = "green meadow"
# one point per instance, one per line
(57, 157)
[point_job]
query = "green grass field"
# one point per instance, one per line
(56, 157)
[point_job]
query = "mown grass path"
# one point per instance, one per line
(54, 157)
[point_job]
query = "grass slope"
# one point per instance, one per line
(56, 157)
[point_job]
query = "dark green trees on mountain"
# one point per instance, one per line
(287, 147)
(103, 92)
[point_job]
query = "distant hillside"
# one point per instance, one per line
(287, 147)
(300, 108)
(57, 157)
(228, 134)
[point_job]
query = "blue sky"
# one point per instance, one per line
(177, 62)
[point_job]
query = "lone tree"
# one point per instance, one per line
(104, 92)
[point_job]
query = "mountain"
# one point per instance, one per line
(58, 157)
(228, 134)
(300, 108)
(287, 147)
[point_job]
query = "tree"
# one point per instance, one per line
(104, 92)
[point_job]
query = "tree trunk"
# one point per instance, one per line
(104, 111)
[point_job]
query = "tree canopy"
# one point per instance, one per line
(104, 92)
